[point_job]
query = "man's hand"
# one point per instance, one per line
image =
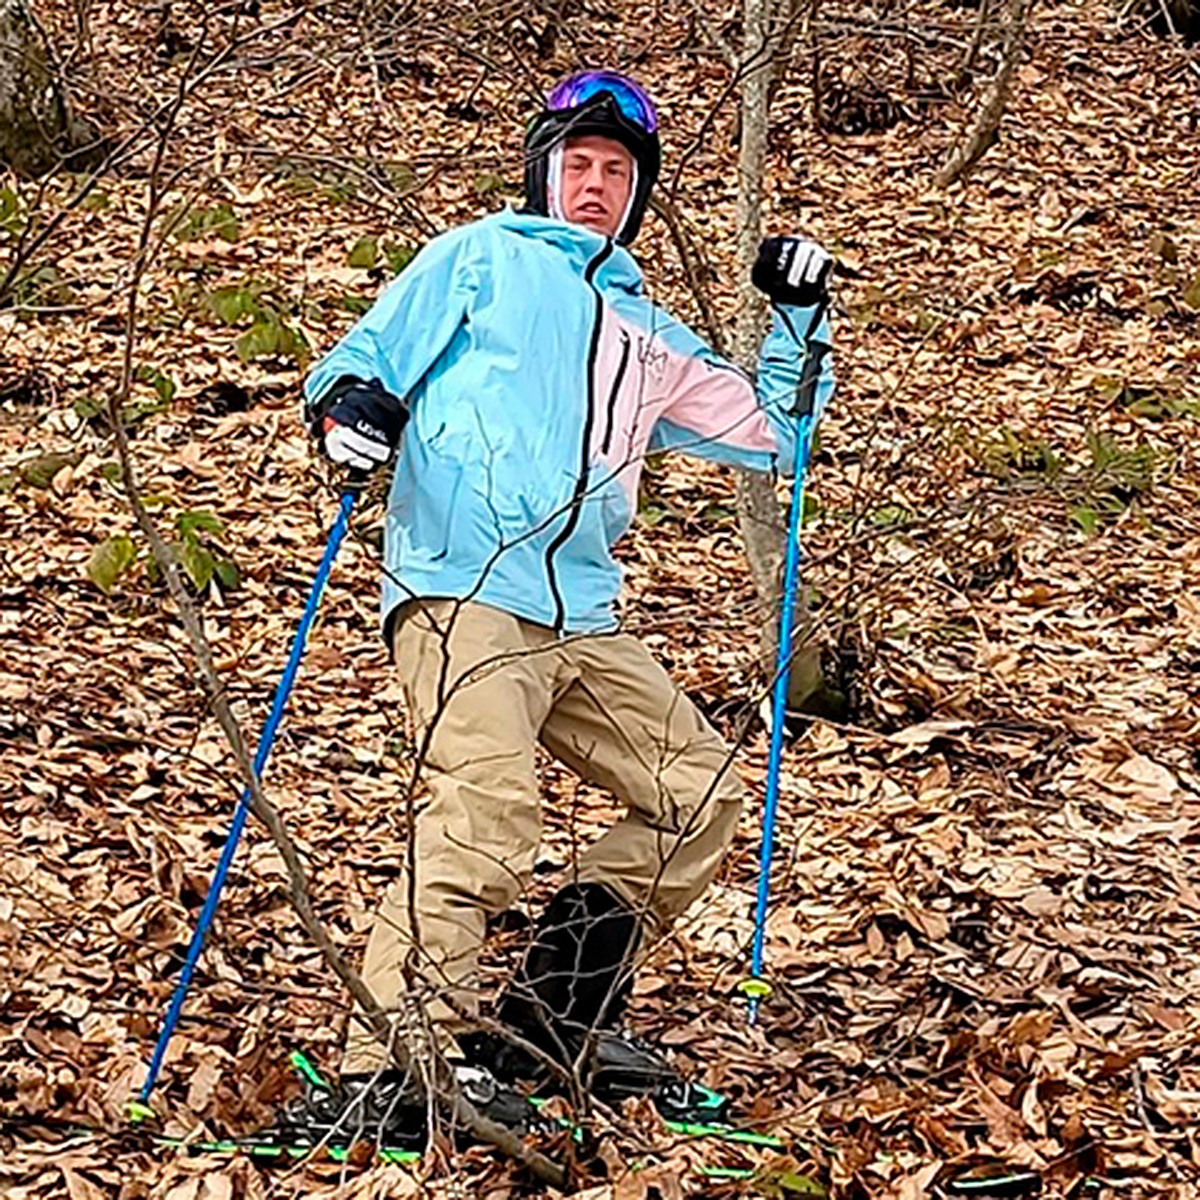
(358, 424)
(792, 270)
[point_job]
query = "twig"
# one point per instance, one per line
(448, 1094)
(1139, 1095)
(694, 266)
(1189, 62)
(709, 117)
(968, 63)
(713, 36)
(1166, 12)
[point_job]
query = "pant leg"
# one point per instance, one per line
(478, 691)
(624, 725)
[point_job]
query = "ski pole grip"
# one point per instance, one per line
(810, 374)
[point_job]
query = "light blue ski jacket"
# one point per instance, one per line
(538, 376)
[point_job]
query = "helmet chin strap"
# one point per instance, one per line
(554, 204)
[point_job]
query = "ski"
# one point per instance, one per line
(278, 1148)
(708, 1101)
(266, 1147)
(263, 1149)
(726, 1133)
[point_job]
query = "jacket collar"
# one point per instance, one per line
(580, 244)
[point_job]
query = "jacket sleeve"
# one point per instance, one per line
(714, 410)
(409, 326)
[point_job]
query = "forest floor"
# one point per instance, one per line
(985, 934)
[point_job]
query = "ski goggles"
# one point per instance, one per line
(630, 99)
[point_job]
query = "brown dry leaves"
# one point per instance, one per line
(986, 931)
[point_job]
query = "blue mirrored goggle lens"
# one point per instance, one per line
(629, 98)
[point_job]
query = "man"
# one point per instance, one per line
(529, 376)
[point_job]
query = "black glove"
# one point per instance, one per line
(358, 424)
(792, 270)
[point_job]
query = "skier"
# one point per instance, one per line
(529, 375)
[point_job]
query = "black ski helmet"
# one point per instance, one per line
(603, 103)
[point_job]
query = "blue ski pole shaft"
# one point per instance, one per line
(282, 691)
(756, 988)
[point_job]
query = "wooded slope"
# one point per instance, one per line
(985, 933)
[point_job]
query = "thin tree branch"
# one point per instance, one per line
(695, 268)
(963, 157)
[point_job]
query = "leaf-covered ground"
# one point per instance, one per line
(985, 933)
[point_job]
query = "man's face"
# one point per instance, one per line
(597, 178)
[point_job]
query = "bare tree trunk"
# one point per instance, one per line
(759, 514)
(38, 130)
(758, 510)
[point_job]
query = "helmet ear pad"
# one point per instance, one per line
(552, 129)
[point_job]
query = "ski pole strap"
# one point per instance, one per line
(810, 376)
(805, 404)
(355, 484)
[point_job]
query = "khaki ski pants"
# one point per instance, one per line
(483, 688)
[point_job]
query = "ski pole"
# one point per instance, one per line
(756, 988)
(139, 1108)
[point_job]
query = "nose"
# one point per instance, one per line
(594, 181)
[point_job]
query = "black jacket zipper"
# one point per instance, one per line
(616, 387)
(576, 505)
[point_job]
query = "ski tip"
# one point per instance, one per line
(755, 988)
(137, 1111)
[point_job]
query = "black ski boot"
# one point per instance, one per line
(625, 1065)
(570, 992)
(384, 1108)
(387, 1110)
(501, 1102)
(576, 975)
